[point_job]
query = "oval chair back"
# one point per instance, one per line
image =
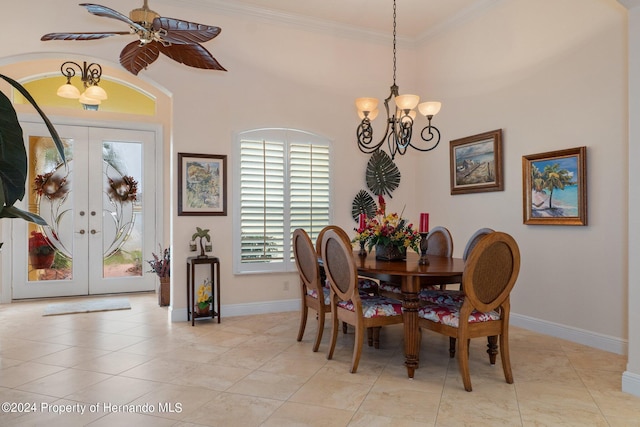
(311, 289)
(339, 265)
(474, 239)
(440, 242)
(491, 271)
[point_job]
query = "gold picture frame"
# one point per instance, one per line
(476, 163)
(554, 187)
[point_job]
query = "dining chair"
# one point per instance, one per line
(365, 284)
(442, 295)
(488, 278)
(439, 243)
(438, 296)
(313, 294)
(348, 304)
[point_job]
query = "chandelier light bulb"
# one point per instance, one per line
(366, 104)
(429, 108)
(407, 102)
(69, 91)
(84, 99)
(96, 92)
(372, 115)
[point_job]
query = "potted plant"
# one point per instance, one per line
(203, 304)
(390, 234)
(160, 264)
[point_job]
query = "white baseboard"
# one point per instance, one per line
(631, 383)
(569, 333)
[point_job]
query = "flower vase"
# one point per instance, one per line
(41, 261)
(163, 293)
(203, 311)
(390, 253)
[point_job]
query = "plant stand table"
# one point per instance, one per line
(214, 263)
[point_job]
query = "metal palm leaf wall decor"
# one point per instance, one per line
(363, 203)
(383, 176)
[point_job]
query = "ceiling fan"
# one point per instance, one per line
(179, 40)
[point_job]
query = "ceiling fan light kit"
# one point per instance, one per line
(399, 118)
(177, 39)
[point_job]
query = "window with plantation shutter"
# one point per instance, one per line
(282, 183)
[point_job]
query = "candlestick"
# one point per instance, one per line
(363, 221)
(424, 222)
(423, 248)
(363, 251)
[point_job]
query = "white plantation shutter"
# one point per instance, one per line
(309, 188)
(283, 183)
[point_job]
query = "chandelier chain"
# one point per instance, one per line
(394, 42)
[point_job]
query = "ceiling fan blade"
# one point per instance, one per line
(106, 12)
(82, 36)
(178, 31)
(192, 55)
(136, 57)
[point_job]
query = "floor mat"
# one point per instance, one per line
(87, 306)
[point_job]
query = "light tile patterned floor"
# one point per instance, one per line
(250, 371)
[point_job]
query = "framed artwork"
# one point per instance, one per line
(554, 187)
(202, 184)
(476, 163)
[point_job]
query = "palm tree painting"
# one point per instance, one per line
(554, 175)
(556, 184)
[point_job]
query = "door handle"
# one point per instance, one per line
(94, 232)
(80, 232)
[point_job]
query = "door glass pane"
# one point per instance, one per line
(122, 226)
(50, 195)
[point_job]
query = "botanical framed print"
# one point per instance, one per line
(555, 187)
(202, 184)
(476, 163)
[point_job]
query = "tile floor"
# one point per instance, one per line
(250, 371)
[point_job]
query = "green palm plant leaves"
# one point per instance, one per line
(13, 157)
(383, 176)
(363, 203)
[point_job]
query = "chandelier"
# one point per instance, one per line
(399, 119)
(90, 75)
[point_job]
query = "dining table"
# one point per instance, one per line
(412, 276)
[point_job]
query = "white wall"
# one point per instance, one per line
(550, 73)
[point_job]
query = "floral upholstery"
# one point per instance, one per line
(367, 285)
(314, 294)
(437, 296)
(375, 306)
(449, 314)
(390, 287)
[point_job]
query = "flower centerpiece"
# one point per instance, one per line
(390, 234)
(41, 251)
(160, 264)
(203, 304)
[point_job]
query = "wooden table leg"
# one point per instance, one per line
(410, 305)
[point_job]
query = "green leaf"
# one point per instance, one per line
(13, 157)
(13, 212)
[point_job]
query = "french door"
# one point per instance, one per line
(99, 208)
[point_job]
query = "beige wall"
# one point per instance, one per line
(551, 74)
